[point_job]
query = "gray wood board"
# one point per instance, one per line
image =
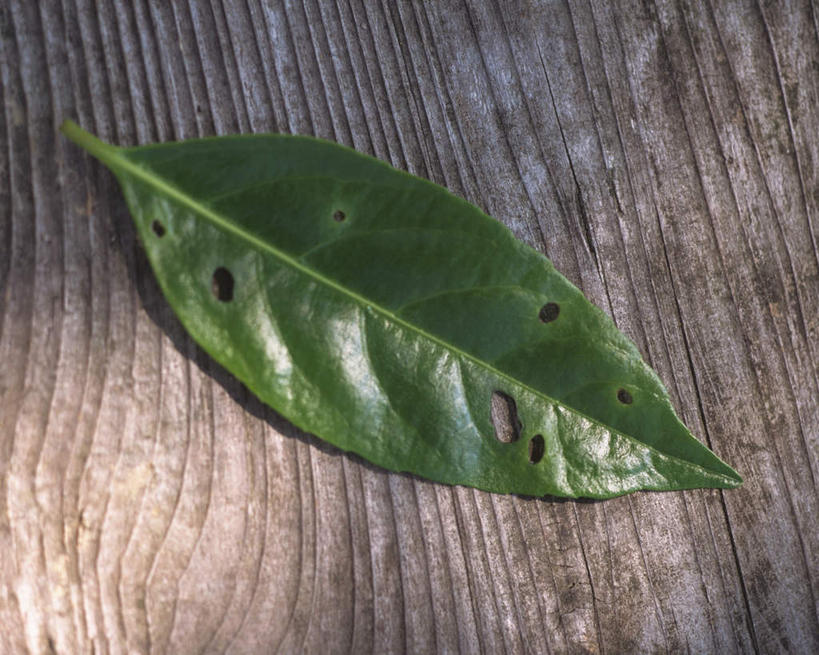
(664, 156)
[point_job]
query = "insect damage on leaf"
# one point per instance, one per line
(537, 446)
(549, 312)
(222, 284)
(393, 319)
(505, 419)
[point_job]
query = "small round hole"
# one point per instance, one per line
(221, 284)
(537, 446)
(339, 216)
(549, 312)
(158, 228)
(624, 397)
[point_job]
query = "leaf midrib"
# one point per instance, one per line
(112, 156)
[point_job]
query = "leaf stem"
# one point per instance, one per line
(105, 152)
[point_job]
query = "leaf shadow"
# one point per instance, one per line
(160, 312)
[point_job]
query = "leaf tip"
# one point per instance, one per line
(734, 480)
(730, 478)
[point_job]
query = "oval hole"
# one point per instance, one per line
(624, 397)
(339, 216)
(222, 284)
(158, 228)
(549, 312)
(504, 413)
(537, 447)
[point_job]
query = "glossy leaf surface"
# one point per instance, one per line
(381, 313)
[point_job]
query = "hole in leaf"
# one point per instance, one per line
(339, 216)
(549, 312)
(158, 228)
(624, 397)
(221, 284)
(537, 446)
(504, 413)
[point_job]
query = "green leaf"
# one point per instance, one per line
(389, 317)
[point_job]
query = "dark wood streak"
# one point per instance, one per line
(664, 155)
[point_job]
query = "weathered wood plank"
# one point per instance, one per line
(662, 154)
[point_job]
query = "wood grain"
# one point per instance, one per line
(663, 155)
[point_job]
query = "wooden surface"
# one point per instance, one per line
(665, 156)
